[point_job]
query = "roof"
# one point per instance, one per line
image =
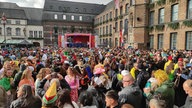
(9, 5)
(13, 13)
(73, 7)
(34, 15)
(110, 5)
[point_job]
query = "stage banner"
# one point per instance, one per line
(62, 41)
(59, 41)
(92, 41)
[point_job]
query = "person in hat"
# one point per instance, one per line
(50, 97)
(26, 99)
(170, 60)
(179, 61)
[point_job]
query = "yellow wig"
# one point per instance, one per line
(161, 76)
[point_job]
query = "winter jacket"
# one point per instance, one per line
(132, 95)
(188, 102)
(165, 92)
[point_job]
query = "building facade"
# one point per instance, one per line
(170, 24)
(60, 17)
(18, 25)
(128, 19)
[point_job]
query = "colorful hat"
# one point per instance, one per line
(51, 94)
(99, 70)
(180, 59)
(170, 58)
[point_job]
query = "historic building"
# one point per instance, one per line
(126, 18)
(20, 25)
(170, 24)
(60, 17)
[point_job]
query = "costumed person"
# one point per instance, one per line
(164, 91)
(72, 79)
(50, 97)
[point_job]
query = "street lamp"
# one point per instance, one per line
(4, 19)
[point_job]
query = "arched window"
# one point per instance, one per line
(18, 31)
(9, 31)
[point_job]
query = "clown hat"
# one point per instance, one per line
(170, 58)
(180, 59)
(99, 71)
(51, 94)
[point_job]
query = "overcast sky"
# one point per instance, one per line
(40, 3)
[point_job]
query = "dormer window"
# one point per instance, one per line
(64, 17)
(55, 16)
(72, 17)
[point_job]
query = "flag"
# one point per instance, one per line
(121, 36)
(116, 4)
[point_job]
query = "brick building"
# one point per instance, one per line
(170, 24)
(130, 17)
(60, 17)
(147, 24)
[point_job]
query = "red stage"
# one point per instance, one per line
(75, 39)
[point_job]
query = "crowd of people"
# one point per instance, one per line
(95, 78)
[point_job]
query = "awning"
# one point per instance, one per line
(19, 42)
(1, 41)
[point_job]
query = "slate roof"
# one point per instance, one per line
(34, 15)
(12, 11)
(110, 5)
(73, 7)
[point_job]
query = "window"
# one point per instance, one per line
(116, 26)
(72, 17)
(103, 30)
(110, 42)
(76, 10)
(151, 1)
(107, 17)
(160, 41)
(189, 40)
(189, 9)
(110, 15)
(0, 31)
(107, 30)
(116, 12)
(121, 10)
(161, 15)
(8, 21)
(30, 33)
(18, 31)
(84, 10)
(151, 41)
(40, 34)
(80, 18)
(35, 34)
(121, 25)
(151, 19)
(132, 2)
(64, 17)
(100, 19)
(126, 8)
(17, 22)
(110, 29)
(173, 41)
(103, 17)
(55, 16)
(174, 12)
(8, 31)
